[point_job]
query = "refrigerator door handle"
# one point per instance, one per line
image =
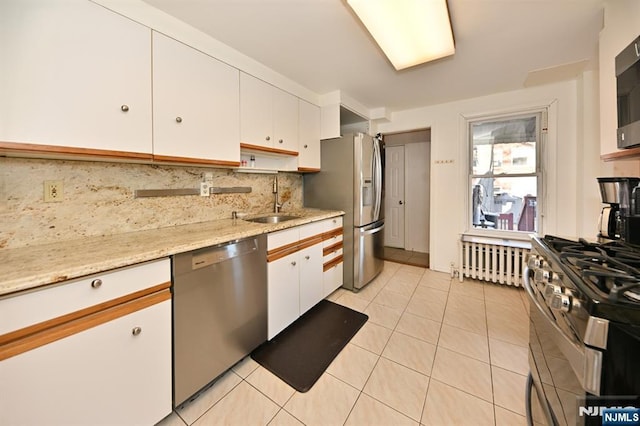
(377, 171)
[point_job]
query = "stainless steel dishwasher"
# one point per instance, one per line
(219, 311)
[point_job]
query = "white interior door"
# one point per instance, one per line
(395, 201)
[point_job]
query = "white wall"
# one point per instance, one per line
(569, 185)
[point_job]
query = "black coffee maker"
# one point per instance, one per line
(620, 219)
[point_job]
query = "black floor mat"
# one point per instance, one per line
(303, 351)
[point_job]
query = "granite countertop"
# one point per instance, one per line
(35, 266)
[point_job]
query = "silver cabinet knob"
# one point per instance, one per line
(96, 283)
(293, 263)
(136, 330)
(307, 257)
(306, 145)
(280, 141)
(124, 108)
(400, 202)
(178, 119)
(268, 138)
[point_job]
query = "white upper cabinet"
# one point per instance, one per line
(196, 105)
(309, 135)
(74, 75)
(285, 120)
(268, 115)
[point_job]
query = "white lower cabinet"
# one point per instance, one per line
(283, 293)
(104, 364)
(295, 274)
(311, 288)
(103, 375)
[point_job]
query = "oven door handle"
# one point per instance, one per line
(585, 362)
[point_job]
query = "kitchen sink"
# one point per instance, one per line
(272, 218)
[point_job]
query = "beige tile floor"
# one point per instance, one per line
(407, 257)
(435, 351)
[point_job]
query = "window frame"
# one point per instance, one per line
(541, 113)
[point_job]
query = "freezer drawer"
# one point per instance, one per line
(368, 245)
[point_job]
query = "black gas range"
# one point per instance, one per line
(584, 345)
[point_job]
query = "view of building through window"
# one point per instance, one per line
(504, 173)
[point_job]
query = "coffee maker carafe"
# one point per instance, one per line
(620, 219)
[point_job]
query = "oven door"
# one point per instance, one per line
(556, 360)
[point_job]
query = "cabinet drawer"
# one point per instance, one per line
(333, 223)
(282, 238)
(331, 239)
(311, 229)
(329, 252)
(332, 278)
(48, 303)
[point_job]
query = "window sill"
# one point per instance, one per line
(502, 238)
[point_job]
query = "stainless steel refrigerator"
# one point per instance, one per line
(351, 179)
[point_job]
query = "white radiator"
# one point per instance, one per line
(488, 260)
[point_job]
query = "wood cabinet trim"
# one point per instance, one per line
(79, 325)
(626, 154)
(73, 316)
(308, 170)
(268, 150)
(333, 262)
(332, 248)
(333, 233)
(191, 160)
(286, 250)
(68, 151)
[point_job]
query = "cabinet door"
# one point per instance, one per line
(75, 75)
(195, 104)
(103, 375)
(311, 286)
(285, 120)
(256, 115)
(283, 293)
(309, 135)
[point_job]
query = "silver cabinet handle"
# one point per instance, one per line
(124, 108)
(293, 263)
(268, 138)
(136, 330)
(178, 119)
(96, 283)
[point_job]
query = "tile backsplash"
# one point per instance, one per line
(98, 198)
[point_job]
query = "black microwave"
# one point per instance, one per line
(628, 93)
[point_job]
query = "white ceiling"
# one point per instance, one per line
(321, 45)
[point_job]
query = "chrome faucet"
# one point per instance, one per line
(276, 204)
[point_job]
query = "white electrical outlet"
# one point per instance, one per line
(53, 191)
(204, 189)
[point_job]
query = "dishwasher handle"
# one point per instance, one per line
(216, 254)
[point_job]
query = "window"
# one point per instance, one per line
(504, 174)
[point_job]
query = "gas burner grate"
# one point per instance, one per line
(612, 268)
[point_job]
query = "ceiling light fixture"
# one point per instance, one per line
(409, 32)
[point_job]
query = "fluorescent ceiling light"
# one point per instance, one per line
(409, 32)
